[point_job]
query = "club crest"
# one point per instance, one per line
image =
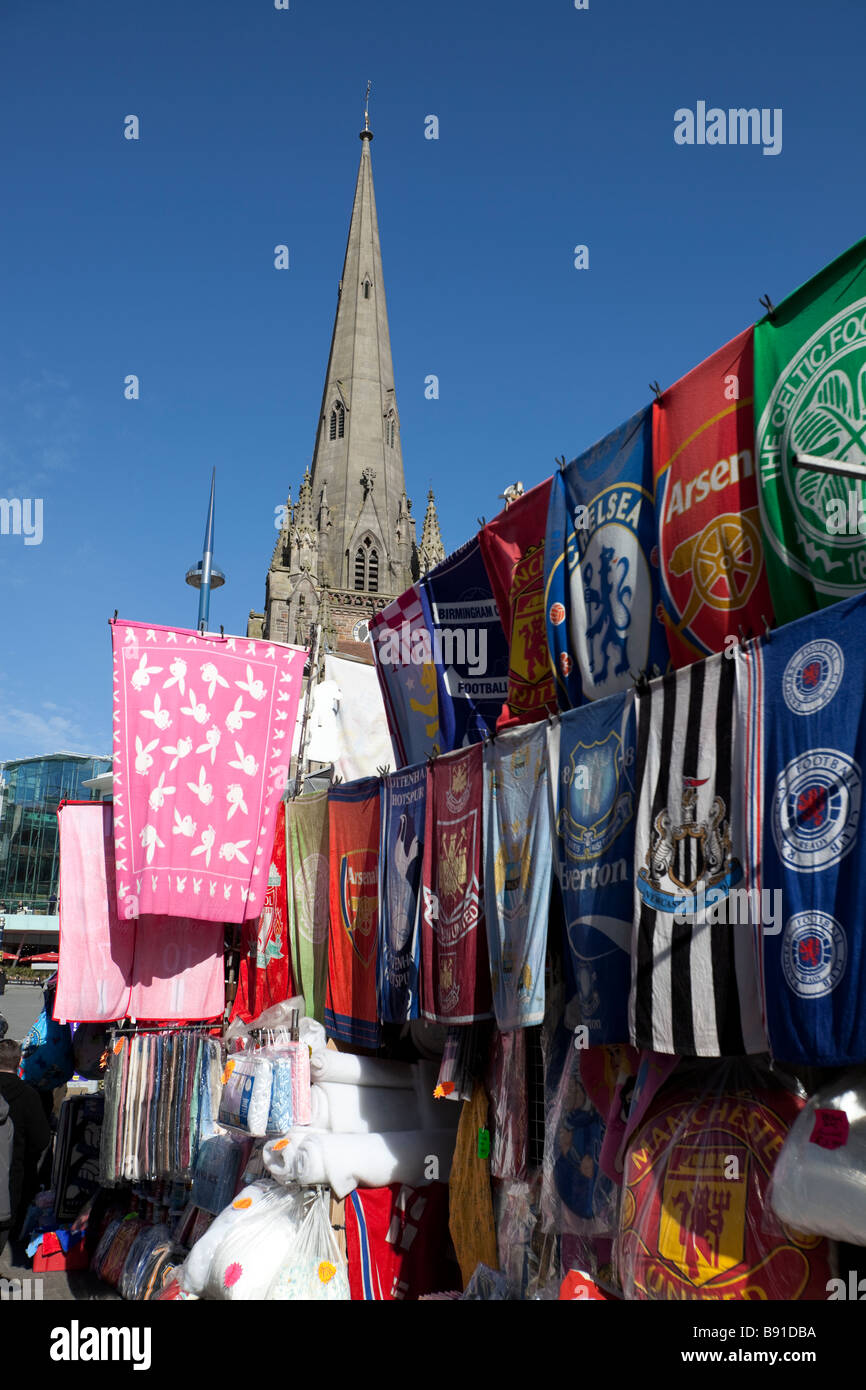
(359, 900)
(690, 858)
(599, 801)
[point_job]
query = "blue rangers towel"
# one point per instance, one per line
(517, 869)
(601, 580)
(802, 697)
(595, 823)
(470, 648)
(401, 851)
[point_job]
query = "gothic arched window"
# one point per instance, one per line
(390, 430)
(367, 566)
(338, 421)
(367, 288)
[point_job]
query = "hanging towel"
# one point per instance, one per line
(203, 732)
(363, 742)
(711, 554)
(810, 367)
(513, 549)
(471, 1220)
(470, 649)
(96, 947)
(265, 976)
(307, 885)
(601, 574)
(403, 805)
(350, 1011)
(517, 868)
(455, 961)
(403, 649)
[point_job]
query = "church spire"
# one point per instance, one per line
(358, 457)
(431, 551)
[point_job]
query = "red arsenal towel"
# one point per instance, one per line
(455, 965)
(350, 1007)
(513, 549)
(709, 531)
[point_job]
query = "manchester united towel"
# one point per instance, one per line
(517, 868)
(694, 984)
(404, 801)
(711, 555)
(513, 549)
(802, 699)
(455, 981)
(350, 1011)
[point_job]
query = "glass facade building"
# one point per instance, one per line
(31, 789)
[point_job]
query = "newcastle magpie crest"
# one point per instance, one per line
(690, 859)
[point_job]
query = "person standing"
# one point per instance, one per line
(32, 1133)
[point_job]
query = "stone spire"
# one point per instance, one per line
(431, 551)
(358, 457)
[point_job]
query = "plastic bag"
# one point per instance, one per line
(239, 1255)
(315, 1268)
(46, 1052)
(149, 1239)
(695, 1222)
(819, 1181)
(506, 1084)
(278, 1016)
(246, 1096)
(486, 1286)
(216, 1175)
(577, 1195)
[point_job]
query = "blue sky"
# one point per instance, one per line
(155, 257)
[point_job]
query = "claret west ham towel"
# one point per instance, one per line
(802, 697)
(694, 984)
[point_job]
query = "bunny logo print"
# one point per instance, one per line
(202, 740)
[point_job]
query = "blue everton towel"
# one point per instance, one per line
(470, 649)
(596, 823)
(802, 695)
(403, 803)
(601, 579)
(517, 869)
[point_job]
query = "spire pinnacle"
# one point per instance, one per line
(366, 133)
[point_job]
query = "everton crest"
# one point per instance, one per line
(599, 803)
(690, 860)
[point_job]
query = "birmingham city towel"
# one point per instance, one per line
(203, 731)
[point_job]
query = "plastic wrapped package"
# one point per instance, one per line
(278, 1016)
(346, 1161)
(115, 1257)
(104, 1245)
(516, 1222)
(280, 1114)
(216, 1176)
(240, 1254)
(315, 1269)
(695, 1223)
(577, 1195)
(819, 1181)
(509, 1110)
(344, 1109)
(149, 1239)
(486, 1285)
(162, 1268)
(246, 1097)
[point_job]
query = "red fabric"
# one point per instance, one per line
(265, 975)
(706, 489)
(374, 1264)
(695, 1221)
(353, 823)
(577, 1285)
(455, 965)
(513, 549)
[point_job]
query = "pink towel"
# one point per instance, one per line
(203, 730)
(156, 968)
(96, 949)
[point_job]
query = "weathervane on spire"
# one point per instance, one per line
(366, 133)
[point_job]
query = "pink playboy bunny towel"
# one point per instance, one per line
(203, 730)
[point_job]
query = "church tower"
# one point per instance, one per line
(351, 533)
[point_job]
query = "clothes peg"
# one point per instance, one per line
(766, 303)
(656, 389)
(766, 628)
